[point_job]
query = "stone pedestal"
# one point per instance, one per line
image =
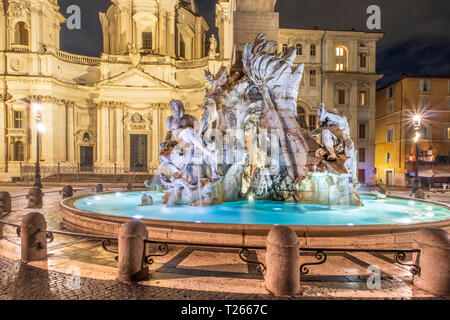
(132, 252)
(5, 202)
(33, 241)
(434, 261)
(283, 262)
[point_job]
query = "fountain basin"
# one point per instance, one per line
(382, 223)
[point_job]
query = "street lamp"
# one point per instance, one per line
(39, 128)
(417, 120)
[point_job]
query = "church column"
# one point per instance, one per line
(119, 135)
(162, 33)
(3, 138)
(70, 143)
(171, 40)
(99, 134)
(105, 142)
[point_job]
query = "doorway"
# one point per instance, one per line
(138, 152)
(362, 176)
(86, 158)
(389, 178)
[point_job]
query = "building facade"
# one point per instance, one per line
(395, 149)
(98, 111)
(340, 69)
(112, 109)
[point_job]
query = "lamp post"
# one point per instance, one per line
(417, 120)
(37, 171)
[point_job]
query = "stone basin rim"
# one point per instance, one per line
(240, 234)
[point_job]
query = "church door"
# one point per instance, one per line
(86, 158)
(138, 152)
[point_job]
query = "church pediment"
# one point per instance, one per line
(135, 78)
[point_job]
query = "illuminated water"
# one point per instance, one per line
(389, 211)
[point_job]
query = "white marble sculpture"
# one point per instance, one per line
(249, 142)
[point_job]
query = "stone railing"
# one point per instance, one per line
(73, 58)
(20, 48)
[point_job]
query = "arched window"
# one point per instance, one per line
(21, 34)
(18, 151)
(299, 49)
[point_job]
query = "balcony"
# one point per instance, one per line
(20, 48)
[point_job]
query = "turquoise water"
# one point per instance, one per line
(389, 211)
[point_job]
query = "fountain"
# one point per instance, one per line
(250, 141)
(249, 165)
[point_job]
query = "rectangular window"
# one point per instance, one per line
(388, 157)
(339, 52)
(426, 133)
(18, 119)
(390, 107)
(182, 48)
(312, 122)
(425, 102)
(390, 135)
(341, 96)
(362, 60)
(362, 155)
(312, 78)
(425, 85)
(147, 40)
(339, 67)
(390, 92)
(362, 131)
(362, 98)
(313, 50)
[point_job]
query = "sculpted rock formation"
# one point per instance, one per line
(249, 141)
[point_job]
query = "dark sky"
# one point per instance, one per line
(416, 41)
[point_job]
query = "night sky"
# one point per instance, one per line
(416, 41)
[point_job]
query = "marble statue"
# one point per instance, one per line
(335, 135)
(146, 200)
(249, 143)
(212, 47)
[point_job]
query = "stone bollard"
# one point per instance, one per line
(434, 261)
(67, 192)
(5, 202)
(283, 262)
(34, 197)
(33, 241)
(99, 188)
(132, 252)
(420, 194)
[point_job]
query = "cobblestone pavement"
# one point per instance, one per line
(25, 282)
(186, 273)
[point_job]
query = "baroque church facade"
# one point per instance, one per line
(99, 111)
